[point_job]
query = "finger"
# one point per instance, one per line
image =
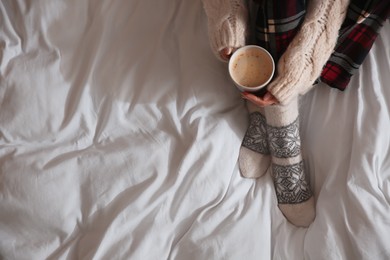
(257, 100)
(225, 53)
(269, 97)
(228, 51)
(233, 50)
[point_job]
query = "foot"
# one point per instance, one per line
(295, 198)
(254, 158)
(294, 195)
(253, 164)
(300, 214)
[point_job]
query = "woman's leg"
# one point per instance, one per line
(293, 192)
(254, 158)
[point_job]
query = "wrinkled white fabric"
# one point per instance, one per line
(120, 132)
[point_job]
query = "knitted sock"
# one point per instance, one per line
(294, 195)
(254, 158)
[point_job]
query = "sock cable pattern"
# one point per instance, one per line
(256, 136)
(290, 183)
(284, 142)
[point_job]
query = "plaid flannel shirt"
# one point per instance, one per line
(278, 21)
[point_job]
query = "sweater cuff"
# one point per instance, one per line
(291, 81)
(227, 25)
(284, 92)
(225, 36)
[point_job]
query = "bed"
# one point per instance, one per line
(120, 132)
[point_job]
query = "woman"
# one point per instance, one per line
(311, 41)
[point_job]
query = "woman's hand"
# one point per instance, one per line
(266, 100)
(226, 53)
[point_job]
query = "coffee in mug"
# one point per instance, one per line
(251, 68)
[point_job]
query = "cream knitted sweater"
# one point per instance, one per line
(306, 55)
(227, 23)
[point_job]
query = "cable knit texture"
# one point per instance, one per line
(306, 55)
(227, 23)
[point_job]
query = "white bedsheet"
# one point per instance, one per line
(119, 137)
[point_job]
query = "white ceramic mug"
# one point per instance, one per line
(251, 68)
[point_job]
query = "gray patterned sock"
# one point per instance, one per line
(254, 158)
(293, 192)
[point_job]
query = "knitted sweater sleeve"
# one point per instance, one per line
(310, 49)
(227, 23)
